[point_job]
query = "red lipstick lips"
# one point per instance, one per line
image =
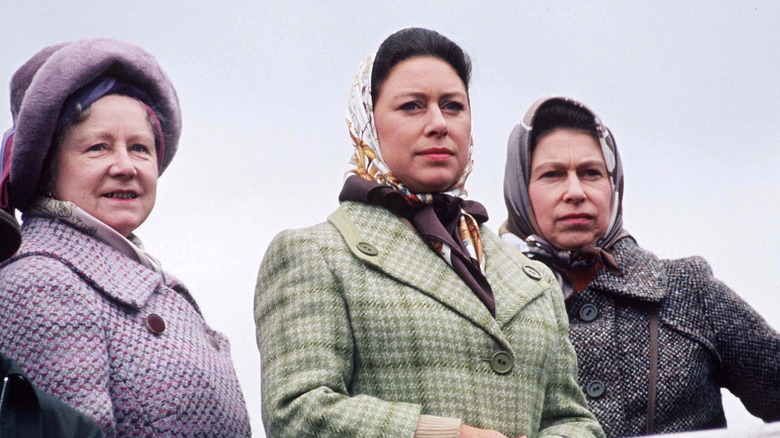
(436, 154)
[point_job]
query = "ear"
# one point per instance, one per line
(46, 186)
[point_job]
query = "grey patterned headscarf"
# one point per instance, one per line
(522, 223)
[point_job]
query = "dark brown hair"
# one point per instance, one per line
(416, 41)
(560, 114)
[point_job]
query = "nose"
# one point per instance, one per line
(573, 191)
(437, 123)
(122, 165)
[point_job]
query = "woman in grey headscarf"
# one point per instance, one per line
(655, 339)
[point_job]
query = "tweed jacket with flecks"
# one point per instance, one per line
(708, 338)
(73, 312)
(362, 328)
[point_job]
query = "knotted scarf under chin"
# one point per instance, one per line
(582, 259)
(438, 223)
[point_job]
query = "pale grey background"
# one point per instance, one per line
(689, 89)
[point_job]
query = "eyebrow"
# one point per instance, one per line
(418, 95)
(101, 135)
(556, 161)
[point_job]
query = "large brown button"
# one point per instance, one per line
(155, 323)
(212, 340)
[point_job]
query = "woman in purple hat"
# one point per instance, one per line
(92, 317)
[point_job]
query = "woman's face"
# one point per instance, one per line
(423, 122)
(107, 164)
(570, 189)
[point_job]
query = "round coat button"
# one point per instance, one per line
(595, 388)
(367, 249)
(502, 362)
(532, 272)
(155, 323)
(589, 312)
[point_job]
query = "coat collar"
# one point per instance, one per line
(377, 237)
(103, 267)
(643, 274)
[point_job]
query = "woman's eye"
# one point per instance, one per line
(411, 106)
(592, 173)
(139, 148)
(453, 106)
(549, 174)
(96, 147)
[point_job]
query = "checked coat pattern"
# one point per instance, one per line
(362, 328)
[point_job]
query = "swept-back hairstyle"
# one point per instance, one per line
(562, 114)
(415, 41)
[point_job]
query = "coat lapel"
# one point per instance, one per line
(106, 269)
(516, 280)
(643, 277)
(379, 238)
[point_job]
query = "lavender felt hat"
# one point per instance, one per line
(42, 85)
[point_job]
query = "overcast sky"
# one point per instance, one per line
(690, 90)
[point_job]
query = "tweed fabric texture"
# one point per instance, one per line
(355, 344)
(73, 312)
(708, 338)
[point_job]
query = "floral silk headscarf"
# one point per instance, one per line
(367, 163)
(367, 160)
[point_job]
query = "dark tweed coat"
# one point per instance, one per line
(709, 338)
(74, 312)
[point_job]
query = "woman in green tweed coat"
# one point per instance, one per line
(403, 316)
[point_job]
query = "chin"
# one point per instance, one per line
(123, 228)
(573, 243)
(574, 246)
(430, 186)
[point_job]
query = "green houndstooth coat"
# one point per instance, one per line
(362, 328)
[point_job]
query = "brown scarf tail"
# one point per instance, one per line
(610, 263)
(587, 257)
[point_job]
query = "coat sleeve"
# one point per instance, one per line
(63, 421)
(749, 348)
(305, 341)
(565, 411)
(51, 325)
